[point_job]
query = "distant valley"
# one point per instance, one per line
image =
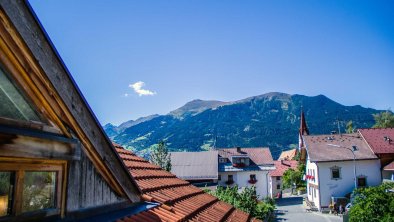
(269, 120)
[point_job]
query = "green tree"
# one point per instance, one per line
(384, 119)
(373, 204)
(290, 177)
(294, 176)
(297, 156)
(160, 156)
(349, 127)
(301, 168)
(245, 200)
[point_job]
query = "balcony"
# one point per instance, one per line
(240, 161)
(239, 165)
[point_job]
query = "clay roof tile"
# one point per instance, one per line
(381, 141)
(185, 201)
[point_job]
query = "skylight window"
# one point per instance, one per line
(12, 104)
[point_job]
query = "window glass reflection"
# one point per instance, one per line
(12, 104)
(39, 189)
(6, 189)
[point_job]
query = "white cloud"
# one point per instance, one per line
(137, 87)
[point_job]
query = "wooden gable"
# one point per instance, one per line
(70, 136)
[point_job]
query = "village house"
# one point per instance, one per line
(381, 142)
(276, 176)
(336, 164)
(56, 163)
(246, 167)
(199, 168)
(288, 155)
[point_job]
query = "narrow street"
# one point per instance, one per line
(291, 209)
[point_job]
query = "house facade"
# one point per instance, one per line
(276, 176)
(243, 167)
(246, 167)
(333, 171)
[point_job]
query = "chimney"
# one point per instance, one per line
(281, 162)
(238, 149)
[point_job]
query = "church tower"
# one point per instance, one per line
(302, 132)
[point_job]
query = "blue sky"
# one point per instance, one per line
(221, 50)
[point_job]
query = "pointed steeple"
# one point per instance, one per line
(303, 127)
(303, 130)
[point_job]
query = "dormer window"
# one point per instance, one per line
(240, 161)
(13, 104)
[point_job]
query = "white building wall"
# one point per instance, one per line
(241, 179)
(224, 177)
(329, 187)
(273, 186)
(312, 188)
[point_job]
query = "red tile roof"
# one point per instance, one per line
(376, 140)
(389, 166)
(179, 200)
(282, 166)
(259, 155)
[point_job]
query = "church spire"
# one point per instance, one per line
(302, 132)
(303, 128)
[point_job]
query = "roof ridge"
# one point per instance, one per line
(186, 196)
(153, 177)
(164, 186)
(225, 217)
(201, 209)
(234, 148)
(212, 207)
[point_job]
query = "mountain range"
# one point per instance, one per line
(269, 120)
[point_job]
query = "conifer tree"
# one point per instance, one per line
(160, 156)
